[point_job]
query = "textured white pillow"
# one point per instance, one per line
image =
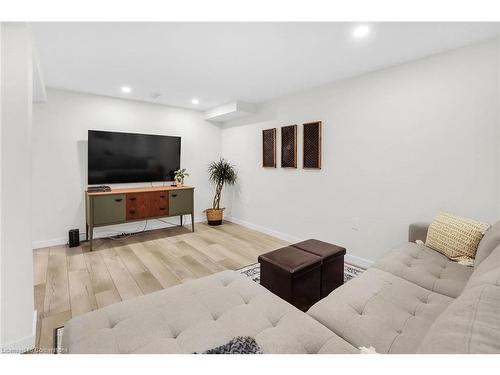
(454, 236)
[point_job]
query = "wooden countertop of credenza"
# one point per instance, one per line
(139, 190)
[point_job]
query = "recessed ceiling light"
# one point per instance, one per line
(195, 101)
(126, 89)
(361, 31)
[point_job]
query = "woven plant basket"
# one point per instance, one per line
(214, 216)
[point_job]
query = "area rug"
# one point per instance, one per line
(253, 271)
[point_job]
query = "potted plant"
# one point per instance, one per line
(220, 172)
(179, 177)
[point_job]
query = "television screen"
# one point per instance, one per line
(125, 157)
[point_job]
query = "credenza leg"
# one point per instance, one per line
(192, 221)
(181, 220)
(91, 237)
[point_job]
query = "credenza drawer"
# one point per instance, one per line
(109, 209)
(159, 204)
(180, 202)
(147, 205)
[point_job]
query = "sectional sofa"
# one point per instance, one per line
(413, 300)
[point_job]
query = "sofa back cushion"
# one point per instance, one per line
(454, 236)
(490, 241)
(471, 324)
(486, 272)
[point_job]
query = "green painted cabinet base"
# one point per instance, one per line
(180, 202)
(123, 205)
(108, 209)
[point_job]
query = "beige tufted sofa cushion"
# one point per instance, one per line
(381, 310)
(471, 324)
(412, 299)
(426, 268)
(200, 315)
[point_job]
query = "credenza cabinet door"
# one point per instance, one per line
(180, 202)
(109, 209)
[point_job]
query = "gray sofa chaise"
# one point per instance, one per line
(413, 300)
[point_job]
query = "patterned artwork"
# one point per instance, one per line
(312, 145)
(289, 146)
(269, 148)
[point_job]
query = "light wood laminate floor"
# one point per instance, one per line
(72, 281)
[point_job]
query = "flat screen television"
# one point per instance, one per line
(127, 157)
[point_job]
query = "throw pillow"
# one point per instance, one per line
(454, 236)
(238, 345)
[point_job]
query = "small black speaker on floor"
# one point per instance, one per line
(74, 238)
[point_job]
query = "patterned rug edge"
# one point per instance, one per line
(253, 271)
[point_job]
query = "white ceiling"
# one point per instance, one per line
(221, 62)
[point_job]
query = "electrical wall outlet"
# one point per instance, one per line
(355, 223)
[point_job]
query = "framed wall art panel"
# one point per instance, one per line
(312, 145)
(289, 146)
(269, 148)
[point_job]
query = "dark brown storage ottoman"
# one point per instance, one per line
(293, 275)
(332, 269)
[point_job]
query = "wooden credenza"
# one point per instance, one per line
(132, 204)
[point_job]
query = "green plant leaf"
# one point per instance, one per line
(221, 172)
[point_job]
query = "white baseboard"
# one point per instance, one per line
(358, 261)
(47, 243)
(353, 259)
(259, 228)
(102, 232)
(24, 344)
(157, 224)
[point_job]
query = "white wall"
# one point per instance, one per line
(60, 155)
(498, 121)
(1, 267)
(17, 316)
(398, 144)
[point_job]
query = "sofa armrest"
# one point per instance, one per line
(417, 231)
